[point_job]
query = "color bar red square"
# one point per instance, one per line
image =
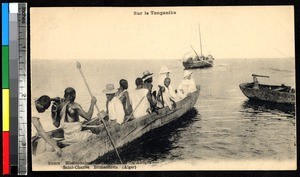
(5, 153)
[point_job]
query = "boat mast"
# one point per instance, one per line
(200, 39)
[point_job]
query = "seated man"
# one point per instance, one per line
(139, 100)
(165, 73)
(147, 83)
(114, 106)
(187, 85)
(41, 105)
(164, 96)
(124, 96)
(69, 117)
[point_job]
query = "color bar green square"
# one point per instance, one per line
(5, 67)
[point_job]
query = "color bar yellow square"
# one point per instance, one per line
(5, 109)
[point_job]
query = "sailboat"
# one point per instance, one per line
(198, 61)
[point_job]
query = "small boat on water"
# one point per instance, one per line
(198, 61)
(270, 93)
(99, 144)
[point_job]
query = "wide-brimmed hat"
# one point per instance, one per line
(110, 89)
(187, 73)
(147, 75)
(164, 70)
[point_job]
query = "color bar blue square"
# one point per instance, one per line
(5, 23)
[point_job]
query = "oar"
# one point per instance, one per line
(259, 75)
(134, 110)
(112, 143)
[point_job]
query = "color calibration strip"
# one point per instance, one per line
(5, 91)
(22, 90)
(14, 88)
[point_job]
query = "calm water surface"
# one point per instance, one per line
(224, 124)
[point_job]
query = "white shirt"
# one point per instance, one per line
(172, 93)
(161, 81)
(186, 86)
(139, 102)
(115, 110)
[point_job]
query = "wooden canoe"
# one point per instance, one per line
(99, 144)
(270, 93)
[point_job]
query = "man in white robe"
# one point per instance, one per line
(187, 85)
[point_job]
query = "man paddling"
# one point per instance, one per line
(69, 117)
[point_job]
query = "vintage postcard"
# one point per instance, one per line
(163, 88)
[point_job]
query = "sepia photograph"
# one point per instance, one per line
(163, 88)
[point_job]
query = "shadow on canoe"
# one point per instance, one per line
(267, 106)
(152, 146)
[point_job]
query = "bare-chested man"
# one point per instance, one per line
(69, 117)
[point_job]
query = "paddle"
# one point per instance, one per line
(112, 143)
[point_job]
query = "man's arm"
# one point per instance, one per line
(149, 97)
(86, 115)
(37, 124)
(159, 96)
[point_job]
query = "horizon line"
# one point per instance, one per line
(162, 58)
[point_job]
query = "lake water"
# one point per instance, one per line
(224, 125)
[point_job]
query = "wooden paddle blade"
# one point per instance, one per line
(78, 65)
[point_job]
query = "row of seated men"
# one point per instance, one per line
(124, 106)
(121, 105)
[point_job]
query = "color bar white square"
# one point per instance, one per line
(13, 8)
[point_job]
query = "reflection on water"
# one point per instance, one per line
(256, 106)
(154, 145)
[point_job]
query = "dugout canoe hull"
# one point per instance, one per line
(269, 93)
(98, 145)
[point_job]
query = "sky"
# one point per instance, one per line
(116, 33)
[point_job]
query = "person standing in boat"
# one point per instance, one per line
(148, 79)
(123, 95)
(114, 105)
(164, 97)
(41, 105)
(165, 73)
(255, 82)
(69, 117)
(139, 100)
(187, 85)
